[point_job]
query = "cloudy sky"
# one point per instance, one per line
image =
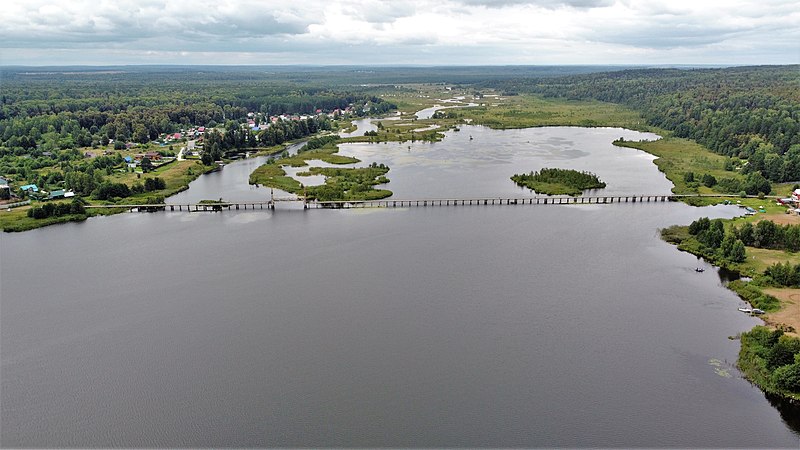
(424, 32)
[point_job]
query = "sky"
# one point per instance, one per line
(399, 32)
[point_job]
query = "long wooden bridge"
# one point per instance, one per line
(403, 203)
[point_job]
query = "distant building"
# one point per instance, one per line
(29, 188)
(59, 193)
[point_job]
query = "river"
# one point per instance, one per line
(487, 326)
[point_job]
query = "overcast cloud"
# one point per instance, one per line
(99, 32)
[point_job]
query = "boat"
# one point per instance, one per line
(746, 310)
(758, 311)
(699, 269)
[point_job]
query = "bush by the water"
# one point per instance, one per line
(56, 210)
(719, 243)
(558, 181)
(772, 360)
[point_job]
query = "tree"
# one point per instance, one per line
(146, 164)
(737, 252)
(791, 238)
(787, 377)
(714, 235)
(783, 352)
(764, 234)
(699, 225)
(745, 233)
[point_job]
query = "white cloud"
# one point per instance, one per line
(400, 32)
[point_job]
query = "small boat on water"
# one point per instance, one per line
(758, 311)
(699, 269)
(746, 310)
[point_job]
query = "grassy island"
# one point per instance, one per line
(351, 183)
(558, 181)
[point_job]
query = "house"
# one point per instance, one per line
(69, 194)
(29, 188)
(59, 193)
(796, 196)
(152, 156)
(128, 159)
(4, 185)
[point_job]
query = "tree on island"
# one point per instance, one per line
(558, 181)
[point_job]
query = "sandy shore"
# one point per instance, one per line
(789, 314)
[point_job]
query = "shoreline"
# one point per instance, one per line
(748, 360)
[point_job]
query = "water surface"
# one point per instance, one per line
(489, 326)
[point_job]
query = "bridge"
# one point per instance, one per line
(406, 203)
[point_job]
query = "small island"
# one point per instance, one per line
(347, 183)
(558, 181)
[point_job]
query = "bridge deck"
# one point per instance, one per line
(402, 203)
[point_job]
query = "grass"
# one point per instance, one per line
(327, 154)
(677, 156)
(17, 219)
(524, 111)
(177, 176)
(273, 175)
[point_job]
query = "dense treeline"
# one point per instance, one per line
(768, 234)
(49, 111)
(772, 359)
(717, 242)
(56, 210)
(753, 184)
(751, 113)
(236, 138)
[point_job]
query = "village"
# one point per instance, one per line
(186, 144)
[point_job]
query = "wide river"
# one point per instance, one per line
(481, 326)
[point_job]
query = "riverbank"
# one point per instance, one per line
(176, 176)
(769, 355)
